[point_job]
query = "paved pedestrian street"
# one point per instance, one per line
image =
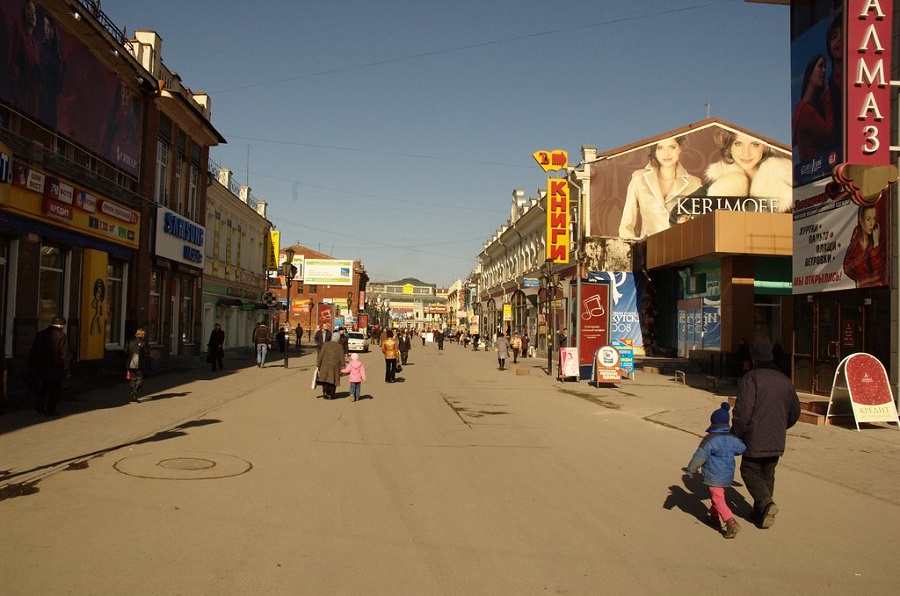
(459, 479)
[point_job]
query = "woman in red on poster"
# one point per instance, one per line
(865, 260)
(814, 116)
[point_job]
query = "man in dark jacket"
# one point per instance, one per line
(323, 336)
(766, 406)
(50, 361)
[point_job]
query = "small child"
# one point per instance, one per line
(357, 373)
(716, 456)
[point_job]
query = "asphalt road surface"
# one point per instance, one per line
(461, 479)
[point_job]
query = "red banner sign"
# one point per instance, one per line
(595, 316)
(868, 74)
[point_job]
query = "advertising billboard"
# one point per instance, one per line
(595, 317)
(838, 245)
(54, 78)
(647, 187)
(328, 272)
(817, 97)
(626, 310)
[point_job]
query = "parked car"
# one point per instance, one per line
(357, 342)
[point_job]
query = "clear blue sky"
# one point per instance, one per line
(395, 131)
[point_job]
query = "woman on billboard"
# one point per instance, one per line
(865, 261)
(814, 115)
(654, 191)
(750, 168)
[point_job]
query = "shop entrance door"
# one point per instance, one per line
(826, 332)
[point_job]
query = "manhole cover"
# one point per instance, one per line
(187, 463)
(183, 466)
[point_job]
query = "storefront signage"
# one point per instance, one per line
(558, 220)
(40, 197)
(58, 191)
(178, 238)
(867, 116)
(85, 201)
(273, 249)
(35, 181)
(5, 169)
(56, 209)
(557, 159)
(119, 212)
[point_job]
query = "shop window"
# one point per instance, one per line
(51, 285)
(767, 318)
(115, 300)
(154, 313)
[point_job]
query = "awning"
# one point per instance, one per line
(229, 301)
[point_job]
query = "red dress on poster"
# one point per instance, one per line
(866, 259)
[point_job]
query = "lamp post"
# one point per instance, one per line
(350, 306)
(289, 271)
(549, 281)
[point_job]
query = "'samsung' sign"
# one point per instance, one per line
(178, 238)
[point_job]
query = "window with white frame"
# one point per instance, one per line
(115, 301)
(162, 168)
(193, 183)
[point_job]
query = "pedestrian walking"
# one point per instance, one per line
(715, 456)
(515, 345)
(357, 373)
(423, 335)
(344, 341)
(501, 345)
(299, 332)
(439, 336)
(137, 354)
(323, 336)
(49, 363)
(281, 339)
(262, 338)
(216, 347)
(330, 361)
(404, 345)
(766, 406)
(391, 351)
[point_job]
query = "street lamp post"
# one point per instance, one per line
(549, 281)
(350, 306)
(289, 271)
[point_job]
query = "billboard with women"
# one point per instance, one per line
(55, 79)
(646, 187)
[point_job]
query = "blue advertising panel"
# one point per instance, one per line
(626, 292)
(712, 322)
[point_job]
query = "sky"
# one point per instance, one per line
(394, 132)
